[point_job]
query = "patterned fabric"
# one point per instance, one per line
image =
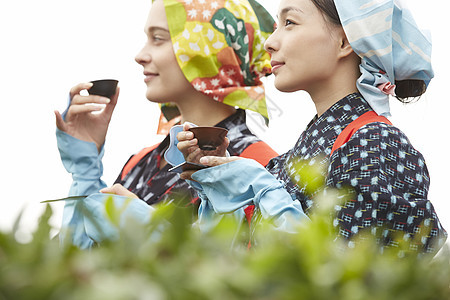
(219, 46)
(384, 34)
(389, 176)
(153, 185)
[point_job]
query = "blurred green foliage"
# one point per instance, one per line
(170, 259)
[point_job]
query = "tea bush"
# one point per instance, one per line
(182, 263)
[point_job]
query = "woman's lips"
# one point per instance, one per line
(149, 77)
(276, 65)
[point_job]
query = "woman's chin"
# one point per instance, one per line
(285, 88)
(152, 97)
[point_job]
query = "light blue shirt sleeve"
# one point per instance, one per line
(90, 223)
(84, 162)
(230, 187)
(85, 222)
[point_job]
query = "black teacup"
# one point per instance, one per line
(209, 138)
(105, 87)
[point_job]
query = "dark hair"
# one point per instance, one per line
(406, 90)
(409, 90)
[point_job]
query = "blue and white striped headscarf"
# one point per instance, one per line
(391, 46)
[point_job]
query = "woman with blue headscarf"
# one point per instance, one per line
(350, 56)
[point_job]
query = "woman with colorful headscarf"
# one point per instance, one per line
(350, 56)
(202, 61)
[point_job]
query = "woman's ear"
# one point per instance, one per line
(345, 49)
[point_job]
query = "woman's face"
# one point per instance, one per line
(303, 48)
(163, 76)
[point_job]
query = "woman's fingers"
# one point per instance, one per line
(80, 100)
(186, 126)
(120, 190)
(210, 161)
(186, 175)
(187, 146)
(79, 87)
(190, 150)
(60, 122)
(185, 135)
(213, 161)
(83, 109)
(76, 98)
(195, 153)
(112, 103)
(116, 95)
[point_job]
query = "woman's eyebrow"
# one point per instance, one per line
(156, 28)
(285, 10)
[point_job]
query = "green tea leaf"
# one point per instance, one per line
(71, 198)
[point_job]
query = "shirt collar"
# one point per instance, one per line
(342, 112)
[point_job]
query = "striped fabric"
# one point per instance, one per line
(384, 34)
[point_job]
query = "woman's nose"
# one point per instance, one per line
(143, 57)
(271, 44)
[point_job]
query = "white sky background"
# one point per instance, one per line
(48, 46)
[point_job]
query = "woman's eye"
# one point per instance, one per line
(288, 22)
(158, 38)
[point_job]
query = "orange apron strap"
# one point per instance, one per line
(347, 133)
(260, 151)
(135, 159)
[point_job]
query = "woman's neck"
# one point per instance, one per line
(342, 84)
(203, 111)
(326, 99)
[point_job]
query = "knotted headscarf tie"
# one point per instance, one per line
(391, 46)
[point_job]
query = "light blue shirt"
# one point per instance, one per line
(231, 187)
(225, 189)
(85, 221)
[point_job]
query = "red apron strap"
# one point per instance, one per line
(347, 133)
(135, 159)
(260, 151)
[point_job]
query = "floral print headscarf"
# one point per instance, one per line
(219, 46)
